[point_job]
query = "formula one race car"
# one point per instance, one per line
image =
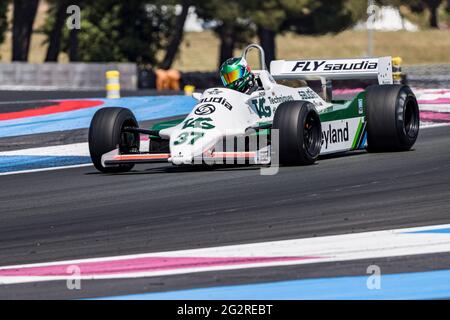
(277, 124)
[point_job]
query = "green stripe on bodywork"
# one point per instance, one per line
(166, 124)
(344, 110)
(263, 132)
(357, 135)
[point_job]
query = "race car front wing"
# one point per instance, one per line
(261, 157)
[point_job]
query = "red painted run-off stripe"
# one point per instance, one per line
(62, 106)
(136, 265)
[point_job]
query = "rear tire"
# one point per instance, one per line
(106, 134)
(300, 133)
(393, 118)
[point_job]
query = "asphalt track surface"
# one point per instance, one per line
(79, 213)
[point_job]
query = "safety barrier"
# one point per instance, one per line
(59, 76)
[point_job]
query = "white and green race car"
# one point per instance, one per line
(277, 124)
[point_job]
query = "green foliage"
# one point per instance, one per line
(269, 14)
(323, 17)
(305, 16)
(357, 9)
(136, 30)
(231, 12)
(435, 10)
(131, 31)
(113, 30)
(301, 16)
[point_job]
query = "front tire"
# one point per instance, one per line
(106, 134)
(300, 133)
(393, 118)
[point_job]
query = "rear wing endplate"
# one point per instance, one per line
(339, 69)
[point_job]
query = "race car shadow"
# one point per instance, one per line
(167, 168)
(180, 169)
(343, 154)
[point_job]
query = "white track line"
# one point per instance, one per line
(66, 150)
(69, 150)
(45, 169)
(433, 125)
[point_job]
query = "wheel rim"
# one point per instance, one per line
(411, 121)
(129, 142)
(312, 134)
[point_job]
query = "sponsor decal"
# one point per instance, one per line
(199, 123)
(323, 66)
(205, 109)
(280, 99)
(332, 135)
(360, 106)
(263, 110)
(308, 94)
(219, 100)
(214, 92)
(189, 137)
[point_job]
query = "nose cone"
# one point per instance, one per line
(182, 156)
(190, 150)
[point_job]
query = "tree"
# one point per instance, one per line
(3, 20)
(322, 17)
(113, 30)
(233, 26)
(177, 35)
(239, 21)
(57, 16)
(55, 31)
(433, 7)
(73, 45)
(268, 17)
(419, 6)
(23, 20)
(301, 16)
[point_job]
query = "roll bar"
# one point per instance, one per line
(262, 56)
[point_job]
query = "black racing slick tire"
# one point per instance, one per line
(300, 133)
(106, 134)
(393, 118)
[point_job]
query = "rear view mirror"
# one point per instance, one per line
(197, 96)
(254, 95)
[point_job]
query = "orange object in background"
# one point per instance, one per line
(168, 79)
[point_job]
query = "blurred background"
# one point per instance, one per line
(195, 37)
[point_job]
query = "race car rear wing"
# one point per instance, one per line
(341, 69)
(328, 70)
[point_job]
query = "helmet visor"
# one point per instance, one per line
(232, 76)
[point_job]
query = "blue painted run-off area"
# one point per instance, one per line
(20, 163)
(144, 108)
(421, 285)
(443, 230)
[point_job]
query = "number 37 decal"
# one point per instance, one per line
(190, 137)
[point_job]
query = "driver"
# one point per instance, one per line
(236, 74)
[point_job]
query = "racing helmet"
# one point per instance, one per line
(236, 74)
